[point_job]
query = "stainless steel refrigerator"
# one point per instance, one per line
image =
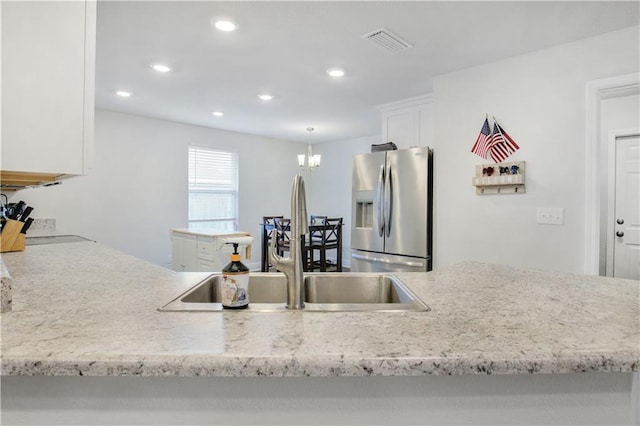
(391, 217)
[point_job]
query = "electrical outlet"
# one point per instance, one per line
(550, 216)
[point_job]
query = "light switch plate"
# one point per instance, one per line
(550, 216)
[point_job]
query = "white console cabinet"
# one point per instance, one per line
(48, 87)
(201, 252)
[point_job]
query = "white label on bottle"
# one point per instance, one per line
(235, 290)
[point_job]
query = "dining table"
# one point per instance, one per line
(305, 243)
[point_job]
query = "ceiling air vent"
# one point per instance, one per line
(388, 40)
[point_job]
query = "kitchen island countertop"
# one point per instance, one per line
(85, 309)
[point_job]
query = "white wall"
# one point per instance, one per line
(137, 190)
(540, 99)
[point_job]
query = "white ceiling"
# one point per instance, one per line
(286, 47)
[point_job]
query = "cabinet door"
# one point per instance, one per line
(184, 252)
(400, 128)
(206, 248)
(408, 122)
(207, 266)
(48, 67)
(177, 257)
(190, 253)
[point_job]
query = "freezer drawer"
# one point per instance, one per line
(362, 261)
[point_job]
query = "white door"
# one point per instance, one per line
(626, 217)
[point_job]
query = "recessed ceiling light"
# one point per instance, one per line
(161, 67)
(225, 25)
(335, 72)
(123, 93)
(217, 113)
(265, 97)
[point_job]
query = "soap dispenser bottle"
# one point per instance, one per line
(235, 282)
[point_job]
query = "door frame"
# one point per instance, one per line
(611, 190)
(598, 90)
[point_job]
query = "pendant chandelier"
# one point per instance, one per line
(309, 161)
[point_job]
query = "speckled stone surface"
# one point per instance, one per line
(84, 309)
(6, 289)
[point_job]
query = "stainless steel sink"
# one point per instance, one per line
(324, 292)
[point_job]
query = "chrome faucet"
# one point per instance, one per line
(292, 266)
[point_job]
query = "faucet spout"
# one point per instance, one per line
(292, 267)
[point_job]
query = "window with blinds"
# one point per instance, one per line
(213, 189)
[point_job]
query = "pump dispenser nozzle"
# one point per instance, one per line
(242, 241)
(235, 257)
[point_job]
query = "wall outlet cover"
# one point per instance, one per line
(550, 216)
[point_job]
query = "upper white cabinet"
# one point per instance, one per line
(48, 86)
(408, 122)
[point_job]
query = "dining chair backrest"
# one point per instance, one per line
(283, 230)
(270, 220)
(333, 230)
(328, 231)
(316, 233)
(317, 220)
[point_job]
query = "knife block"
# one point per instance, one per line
(11, 239)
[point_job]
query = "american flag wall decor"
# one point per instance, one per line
(496, 143)
(481, 147)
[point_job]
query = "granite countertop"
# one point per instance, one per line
(85, 309)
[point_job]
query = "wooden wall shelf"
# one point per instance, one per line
(500, 184)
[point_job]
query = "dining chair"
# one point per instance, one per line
(315, 239)
(268, 224)
(283, 234)
(328, 237)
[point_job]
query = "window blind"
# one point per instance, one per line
(213, 189)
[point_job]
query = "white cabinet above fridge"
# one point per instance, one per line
(408, 122)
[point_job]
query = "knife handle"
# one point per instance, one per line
(26, 225)
(25, 214)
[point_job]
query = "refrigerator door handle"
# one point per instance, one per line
(387, 201)
(387, 261)
(379, 200)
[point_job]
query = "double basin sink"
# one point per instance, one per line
(324, 292)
